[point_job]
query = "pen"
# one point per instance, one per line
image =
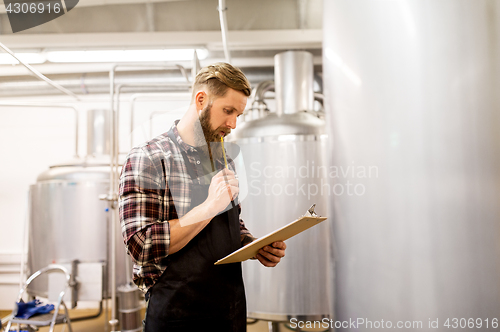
(225, 163)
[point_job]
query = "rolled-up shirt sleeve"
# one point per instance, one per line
(142, 191)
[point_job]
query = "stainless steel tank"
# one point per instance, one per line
(68, 221)
(412, 92)
(129, 308)
(284, 155)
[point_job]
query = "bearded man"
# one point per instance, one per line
(179, 213)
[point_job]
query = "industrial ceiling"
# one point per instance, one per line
(257, 30)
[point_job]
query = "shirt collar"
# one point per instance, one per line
(184, 146)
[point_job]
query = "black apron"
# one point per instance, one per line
(193, 294)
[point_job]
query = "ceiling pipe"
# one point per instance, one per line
(150, 16)
(98, 83)
(223, 26)
(40, 75)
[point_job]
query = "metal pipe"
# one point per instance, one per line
(97, 83)
(106, 272)
(112, 195)
(154, 85)
(261, 89)
(73, 283)
(111, 200)
(133, 99)
(132, 108)
(258, 104)
(114, 123)
(118, 92)
(153, 67)
(319, 97)
(99, 313)
(40, 75)
(151, 115)
(184, 72)
(223, 27)
(266, 86)
(51, 106)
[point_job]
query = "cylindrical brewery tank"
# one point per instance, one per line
(284, 155)
(412, 91)
(68, 221)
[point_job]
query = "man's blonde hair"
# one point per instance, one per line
(219, 77)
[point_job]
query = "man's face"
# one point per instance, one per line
(219, 117)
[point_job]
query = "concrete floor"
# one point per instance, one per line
(97, 325)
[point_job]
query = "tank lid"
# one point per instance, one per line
(300, 123)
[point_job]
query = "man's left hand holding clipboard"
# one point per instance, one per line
(269, 255)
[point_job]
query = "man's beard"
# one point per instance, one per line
(210, 141)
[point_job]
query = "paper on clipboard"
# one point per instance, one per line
(281, 234)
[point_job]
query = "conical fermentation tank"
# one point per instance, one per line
(69, 222)
(284, 153)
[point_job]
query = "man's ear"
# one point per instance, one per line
(201, 100)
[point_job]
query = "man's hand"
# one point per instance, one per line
(271, 255)
(220, 192)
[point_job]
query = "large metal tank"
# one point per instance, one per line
(412, 89)
(68, 221)
(284, 154)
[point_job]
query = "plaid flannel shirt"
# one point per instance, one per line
(146, 202)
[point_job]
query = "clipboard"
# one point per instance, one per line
(309, 220)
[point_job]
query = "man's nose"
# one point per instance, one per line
(231, 122)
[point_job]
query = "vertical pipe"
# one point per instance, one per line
(112, 197)
(223, 26)
(113, 321)
(114, 212)
(106, 272)
(149, 96)
(411, 101)
(132, 111)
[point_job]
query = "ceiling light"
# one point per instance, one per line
(7, 59)
(126, 55)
